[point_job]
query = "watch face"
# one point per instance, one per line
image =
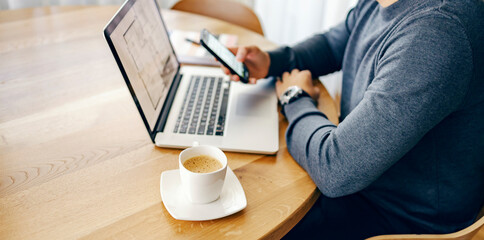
(294, 90)
(289, 94)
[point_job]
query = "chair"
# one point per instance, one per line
(465, 234)
(229, 11)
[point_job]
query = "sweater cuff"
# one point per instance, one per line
(299, 107)
(279, 61)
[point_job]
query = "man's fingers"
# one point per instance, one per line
(306, 72)
(241, 54)
(225, 70)
(285, 75)
(235, 78)
(294, 71)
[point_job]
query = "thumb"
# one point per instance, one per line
(241, 54)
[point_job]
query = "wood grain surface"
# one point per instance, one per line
(75, 158)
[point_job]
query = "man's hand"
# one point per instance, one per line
(298, 78)
(256, 60)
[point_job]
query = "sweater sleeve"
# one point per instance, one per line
(421, 77)
(320, 54)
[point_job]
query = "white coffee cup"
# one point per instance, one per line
(202, 187)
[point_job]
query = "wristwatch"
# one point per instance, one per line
(291, 94)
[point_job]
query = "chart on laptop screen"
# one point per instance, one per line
(147, 56)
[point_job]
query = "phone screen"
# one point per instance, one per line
(223, 54)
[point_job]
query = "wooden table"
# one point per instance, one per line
(75, 158)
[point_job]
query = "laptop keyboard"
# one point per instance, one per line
(204, 107)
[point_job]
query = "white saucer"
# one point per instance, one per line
(231, 200)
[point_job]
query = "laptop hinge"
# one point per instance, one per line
(160, 123)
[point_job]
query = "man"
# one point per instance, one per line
(408, 154)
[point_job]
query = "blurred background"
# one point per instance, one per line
(284, 22)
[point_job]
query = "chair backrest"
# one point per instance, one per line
(481, 213)
(465, 234)
(229, 11)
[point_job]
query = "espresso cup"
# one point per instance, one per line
(202, 187)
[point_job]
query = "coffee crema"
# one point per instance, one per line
(202, 164)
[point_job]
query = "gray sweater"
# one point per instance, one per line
(411, 137)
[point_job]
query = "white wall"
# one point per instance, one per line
(287, 22)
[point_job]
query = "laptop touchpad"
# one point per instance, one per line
(252, 105)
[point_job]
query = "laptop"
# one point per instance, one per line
(181, 105)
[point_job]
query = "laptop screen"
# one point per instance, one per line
(143, 48)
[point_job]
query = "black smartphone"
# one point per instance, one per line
(223, 55)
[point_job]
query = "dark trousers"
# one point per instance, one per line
(350, 217)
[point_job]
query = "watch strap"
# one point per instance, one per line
(301, 95)
(295, 92)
